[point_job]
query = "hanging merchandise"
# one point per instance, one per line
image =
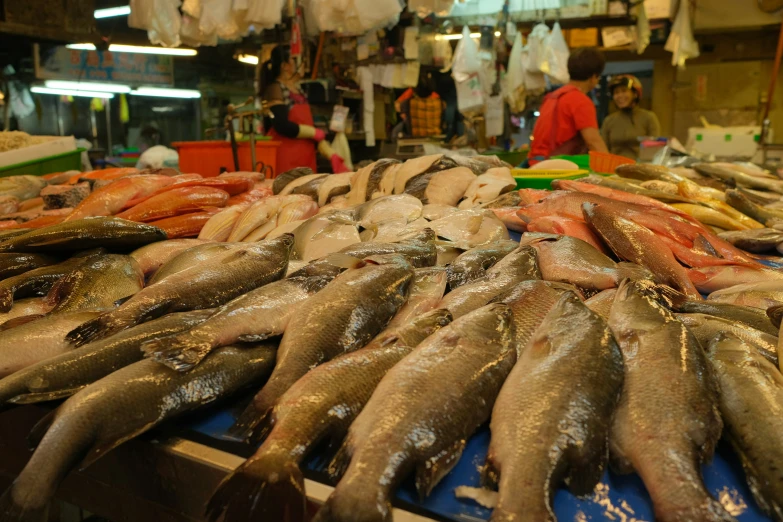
(354, 17)
(537, 43)
(192, 35)
(343, 149)
(217, 17)
(264, 14)
(160, 18)
(514, 81)
(534, 81)
(642, 29)
(365, 78)
(411, 43)
(494, 116)
(424, 8)
(441, 54)
(681, 43)
(466, 72)
(557, 56)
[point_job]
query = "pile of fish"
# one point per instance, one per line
(390, 325)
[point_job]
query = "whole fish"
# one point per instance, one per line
(22, 187)
(108, 232)
(516, 267)
(470, 228)
(321, 235)
(435, 411)
(758, 241)
(33, 307)
(750, 401)
(664, 432)
(36, 341)
(386, 208)
(251, 317)
(571, 260)
(753, 317)
(762, 294)
(295, 211)
(568, 227)
(509, 199)
(741, 202)
(647, 172)
(270, 485)
(601, 303)
(341, 318)
(433, 211)
(14, 264)
(426, 291)
(186, 225)
(152, 257)
(508, 216)
(191, 256)
(111, 199)
(63, 375)
(639, 245)
(717, 202)
(474, 263)
(176, 202)
(713, 278)
(233, 185)
(288, 176)
(710, 216)
(696, 192)
(219, 226)
(706, 327)
(563, 385)
(260, 212)
(120, 407)
(626, 193)
(735, 177)
(208, 285)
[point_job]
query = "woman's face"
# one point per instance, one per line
(289, 69)
(623, 97)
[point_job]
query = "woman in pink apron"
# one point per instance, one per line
(292, 124)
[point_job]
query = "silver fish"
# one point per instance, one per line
(474, 263)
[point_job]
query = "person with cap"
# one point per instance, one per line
(622, 129)
(568, 123)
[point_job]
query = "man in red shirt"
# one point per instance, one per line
(567, 123)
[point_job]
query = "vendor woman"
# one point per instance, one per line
(292, 124)
(622, 129)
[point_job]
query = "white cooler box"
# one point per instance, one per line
(725, 142)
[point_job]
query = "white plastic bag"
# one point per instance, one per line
(264, 14)
(514, 81)
(681, 43)
(466, 57)
(193, 36)
(557, 56)
(424, 8)
(537, 43)
(161, 19)
(534, 81)
(217, 17)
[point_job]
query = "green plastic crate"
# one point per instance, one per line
(57, 163)
(542, 179)
(582, 160)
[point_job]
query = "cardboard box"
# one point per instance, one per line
(583, 37)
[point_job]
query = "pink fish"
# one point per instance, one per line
(508, 215)
(567, 227)
(712, 278)
(618, 195)
(112, 198)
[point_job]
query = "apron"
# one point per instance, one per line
(575, 145)
(295, 152)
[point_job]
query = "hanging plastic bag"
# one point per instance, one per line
(161, 19)
(557, 56)
(534, 81)
(264, 14)
(217, 17)
(343, 149)
(642, 29)
(466, 57)
(681, 43)
(537, 43)
(514, 81)
(367, 15)
(193, 36)
(424, 8)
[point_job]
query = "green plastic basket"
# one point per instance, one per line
(58, 163)
(542, 179)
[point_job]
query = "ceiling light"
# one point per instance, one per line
(87, 86)
(71, 92)
(248, 58)
(109, 12)
(458, 36)
(119, 48)
(166, 93)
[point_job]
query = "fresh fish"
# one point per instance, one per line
(718, 204)
(288, 176)
(118, 408)
(189, 257)
(735, 177)
(108, 232)
(639, 245)
(427, 289)
(520, 265)
(509, 199)
(270, 485)
(508, 216)
(753, 317)
(696, 192)
(112, 198)
(97, 284)
(263, 231)
(474, 263)
(8, 205)
(709, 216)
(334, 185)
(320, 235)
(412, 169)
(22, 187)
(713, 278)
(38, 340)
(208, 285)
(706, 327)
(259, 213)
(219, 226)
(601, 303)
(63, 375)
(14, 264)
(444, 187)
(341, 318)
(750, 401)
(571, 260)
(387, 208)
(567, 227)
(234, 185)
(176, 202)
(470, 228)
(186, 225)
(552, 418)
(151, 257)
(757, 241)
(760, 197)
(393, 230)
(296, 211)
(488, 187)
(664, 432)
(661, 186)
(258, 192)
(305, 185)
(626, 193)
(433, 211)
(31, 308)
(647, 172)
(436, 411)
(255, 316)
(762, 294)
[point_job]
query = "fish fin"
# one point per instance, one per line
(88, 331)
(39, 430)
(63, 287)
(179, 352)
(430, 472)
(33, 398)
(474, 224)
(340, 461)
(269, 487)
(344, 261)
(263, 426)
(256, 338)
(20, 321)
(10, 511)
(122, 300)
(6, 300)
(96, 452)
(775, 314)
(583, 479)
(235, 256)
(702, 245)
(633, 271)
(246, 423)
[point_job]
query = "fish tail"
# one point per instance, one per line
(94, 329)
(247, 422)
(344, 505)
(267, 487)
(11, 511)
(6, 300)
(179, 352)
